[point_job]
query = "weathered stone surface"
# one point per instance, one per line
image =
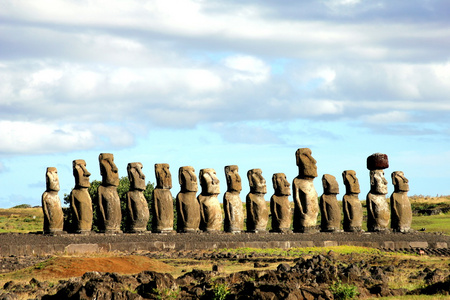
(210, 211)
(232, 203)
(306, 205)
(401, 213)
(280, 207)
(257, 212)
(51, 204)
(80, 200)
(109, 212)
(162, 204)
(188, 208)
(137, 207)
(329, 207)
(353, 213)
(377, 206)
(377, 161)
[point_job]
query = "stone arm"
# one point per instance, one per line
(202, 212)
(155, 205)
(180, 209)
(393, 206)
(130, 207)
(346, 210)
(74, 207)
(273, 208)
(323, 205)
(296, 197)
(100, 203)
(226, 206)
(370, 209)
(45, 207)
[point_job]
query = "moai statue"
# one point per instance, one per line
(329, 207)
(162, 205)
(51, 204)
(377, 206)
(137, 207)
(80, 200)
(210, 211)
(280, 207)
(353, 213)
(306, 205)
(188, 208)
(232, 203)
(109, 212)
(257, 212)
(401, 213)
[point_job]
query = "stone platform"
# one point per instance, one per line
(38, 244)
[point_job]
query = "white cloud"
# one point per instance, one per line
(27, 137)
(247, 68)
(388, 117)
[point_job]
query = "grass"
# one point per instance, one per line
(21, 220)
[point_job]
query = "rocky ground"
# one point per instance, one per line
(328, 276)
(267, 275)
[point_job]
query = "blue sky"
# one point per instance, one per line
(213, 83)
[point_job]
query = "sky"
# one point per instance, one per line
(215, 83)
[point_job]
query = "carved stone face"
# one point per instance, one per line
(256, 181)
(163, 176)
(209, 182)
(306, 163)
(280, 184)
(378, 184)
(351, 182)
(136, 177)
(81, 174)
(399, 181)
(330, 185)
(234, 182)
(108, 169)
(52, 179)
(187, 179)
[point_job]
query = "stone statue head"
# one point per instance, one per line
(330, 185)
(187, 179)
(399, 181)
(351, 182)
(80, 173)
(108, 169)
(378, 184)
(163, 176)
(136, 177)
(52, 180)
(234, 183)
(281, 185)
(209, 182)
(306, 163)
(256, 181)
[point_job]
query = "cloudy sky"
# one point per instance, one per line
(213, 83)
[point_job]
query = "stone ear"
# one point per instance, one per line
(249, 177)
(274, 181)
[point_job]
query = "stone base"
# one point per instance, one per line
(378, 229)
(138, 230)
(189, 230)
(281, 230)
(311, 229)
(354, 229)
(84, 232)
(55, 232)
(331, 229)
(256, 231)
(111, 231)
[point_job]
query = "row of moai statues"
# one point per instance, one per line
(203, 211)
